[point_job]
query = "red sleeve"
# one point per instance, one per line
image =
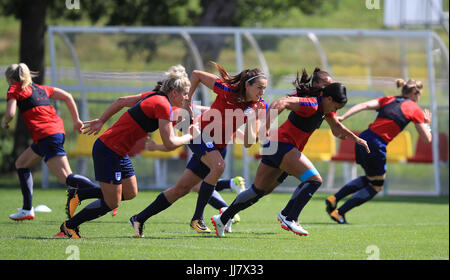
(308, 106)
(385, 100)
(163, 110)
(14, 91)
(145, 94)
(412, 112)
(221, 88)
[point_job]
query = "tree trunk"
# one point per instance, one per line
(32, 42)
(215, 13)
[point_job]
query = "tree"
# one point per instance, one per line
(32, 29)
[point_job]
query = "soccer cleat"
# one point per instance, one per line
(281, 217)
(22, 215)
(238, 184)
(113, 212)
(335, 216)
(72, 202)
(218, 226)
(60, 235)
(331, 204)
(229, 223)
(137, 226)
(293, 226)
(71, 233)
(236, 219)
(199, 226)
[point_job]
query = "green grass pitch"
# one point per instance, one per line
(387, 228)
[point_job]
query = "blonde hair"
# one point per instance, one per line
(176, 78)
(20, 73)
(408, 86)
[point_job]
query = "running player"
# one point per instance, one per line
(308, 108)
(238, 94)
(394, 114)
(112, 166)
(47, 131)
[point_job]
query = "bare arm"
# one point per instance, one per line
(10, 112)
(96, 125)
(198, 77)
(60, 94)
(290, 102)
(368, 105)
(168, 137)
(151, 145)
(251, 133)
(339, 129)
(424, 129)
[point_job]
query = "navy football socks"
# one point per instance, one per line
(26, 185)
(92, 211)
(204, 195)
(159, 204)
(223, 184)
(360, 197)
(217, 201)
(352, 187)
(85, 188)
(79, 182)
(244, 200)
(299, 199)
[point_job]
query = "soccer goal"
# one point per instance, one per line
(99, 64)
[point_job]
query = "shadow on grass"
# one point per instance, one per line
(408, 199)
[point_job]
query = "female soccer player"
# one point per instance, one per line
(47, 131)
(394, 114)
(112, 166)
(308, 109)
(238, 94)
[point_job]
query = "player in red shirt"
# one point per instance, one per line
(282, 155)
(394, 113)
(112, 165)
(239, 94)
(47, 131)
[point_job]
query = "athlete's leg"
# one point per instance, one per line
(166, 198)
(112, 195)
(365, 194)
(265, 182)
(129, 188)
(59, 166)
(298, 165)
(215, 162)
(23, 163)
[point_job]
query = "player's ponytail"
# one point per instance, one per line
(239, 80)
(304, 84)
(20, 73)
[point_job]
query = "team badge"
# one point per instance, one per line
(118, 176)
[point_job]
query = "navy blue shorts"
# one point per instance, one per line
(373, 163)
(198, 150)
(109, 166)
(274, 160)
(50, 146)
